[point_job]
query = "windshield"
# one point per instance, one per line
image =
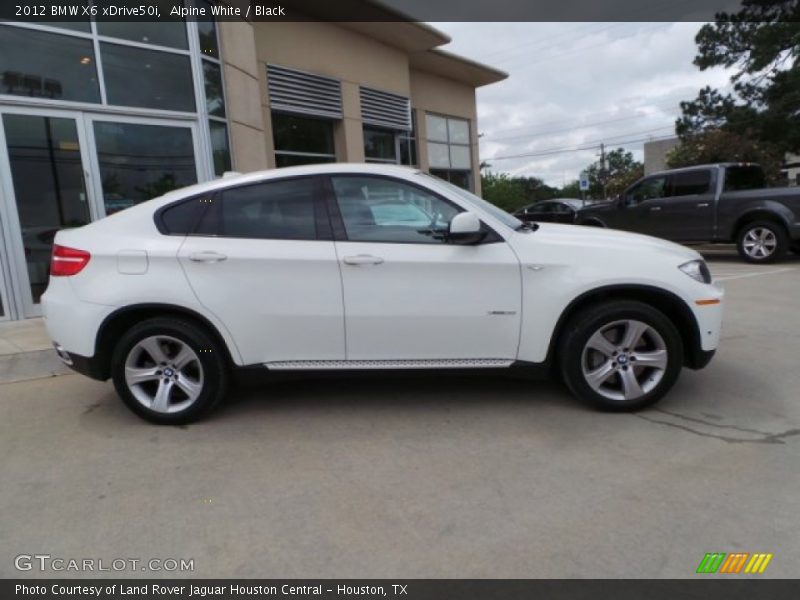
(498, 213)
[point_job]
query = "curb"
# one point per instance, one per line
(25, 366)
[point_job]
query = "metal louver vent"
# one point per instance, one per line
(385, 109)
(304, 93)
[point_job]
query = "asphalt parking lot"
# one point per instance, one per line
(431, 477)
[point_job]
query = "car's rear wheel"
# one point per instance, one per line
(169, 371)
(762, 242)
(621, 355)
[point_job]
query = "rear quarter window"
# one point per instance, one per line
(274, 210)
(180, 218)
(740, 178)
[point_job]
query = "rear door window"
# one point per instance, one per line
(690, 183)
(274, 210)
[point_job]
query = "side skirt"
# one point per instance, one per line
(359, 365)
(259, 374)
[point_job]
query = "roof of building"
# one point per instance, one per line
(421, 40)
(447, 64)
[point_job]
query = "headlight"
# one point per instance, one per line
(697, 269)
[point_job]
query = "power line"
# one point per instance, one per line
(545, 42)
(553, 131)
(552, 57)
(594, 145)
(661, 104)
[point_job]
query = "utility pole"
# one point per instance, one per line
(603, 174)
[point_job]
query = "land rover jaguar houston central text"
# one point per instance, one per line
(355, 267)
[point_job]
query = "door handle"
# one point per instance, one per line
(209, 257)
(654, 208)
(362, 259)
(702, 205)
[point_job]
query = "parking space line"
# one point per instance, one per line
(753, 274)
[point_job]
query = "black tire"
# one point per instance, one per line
(208, 367)
(574, 357)
(775, 253)
(795, 247)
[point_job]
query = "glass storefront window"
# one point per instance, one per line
(147, 78)
(45, 158)
(167, 31)
(207, 32)
(140, 162)
(215, 99)
(302, 140)
(379, 145)
(449, 152)
(459, 157)
(437, 128)
(462, 179)
(83, 26)
(219, 147)
(438, 155)
(47, 65)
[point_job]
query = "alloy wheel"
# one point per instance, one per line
(760, 243)
(624, 360)
(164, 374)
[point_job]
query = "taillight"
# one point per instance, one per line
(68, 261)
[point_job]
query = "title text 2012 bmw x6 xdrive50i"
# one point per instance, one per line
(367, 267)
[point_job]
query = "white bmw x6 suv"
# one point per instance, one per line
(337, 267)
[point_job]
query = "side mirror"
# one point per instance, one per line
(620, 200)
(465, 229)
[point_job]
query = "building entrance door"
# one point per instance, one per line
(44, 176)
(62, 169)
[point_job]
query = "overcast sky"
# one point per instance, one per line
(573, 85)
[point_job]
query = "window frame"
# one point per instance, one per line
(337, 222)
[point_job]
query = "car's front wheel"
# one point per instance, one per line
(622, 355)
(169, 371)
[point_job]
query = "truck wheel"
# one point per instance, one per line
(169, 371)
(762, 242)
(620, 355)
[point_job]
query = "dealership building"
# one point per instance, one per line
(98, 116)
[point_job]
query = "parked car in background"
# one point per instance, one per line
(557, 210)
(351, 267)
(722, 203)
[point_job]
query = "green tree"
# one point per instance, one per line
(512, 193)
(762, 43)
(723, 146)
(621, 171)
(570, 190)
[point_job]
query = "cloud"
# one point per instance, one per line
(573, 85)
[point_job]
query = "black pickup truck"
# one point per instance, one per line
(720, 203)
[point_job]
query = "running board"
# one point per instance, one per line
(436, 363)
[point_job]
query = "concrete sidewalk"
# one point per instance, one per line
(26, 352)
